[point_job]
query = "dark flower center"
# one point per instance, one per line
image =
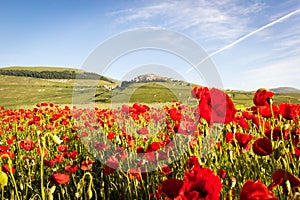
(201, 192)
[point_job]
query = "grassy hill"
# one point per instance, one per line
(18, 91)
(151, 92)
(245, 97)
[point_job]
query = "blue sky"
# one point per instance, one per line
(64, 33)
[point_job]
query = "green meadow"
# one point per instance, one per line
(18, 91)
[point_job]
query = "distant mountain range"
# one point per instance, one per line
(285, 90)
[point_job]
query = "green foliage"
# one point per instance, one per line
(53, 74)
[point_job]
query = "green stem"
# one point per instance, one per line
(11, 174)
(42, 169)
(2, 188)
(14, 182)
(55, 139)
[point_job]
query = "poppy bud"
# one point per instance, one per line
(77, 195)
(56, 139)
(90, 193)
(21, 186)
(232, 182)
(3, 179)
(51, 191)
(296, 195)
(230, 152)
(287, 187)
(269, 101)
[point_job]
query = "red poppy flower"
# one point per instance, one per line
(10, 140)
(262, 96)
(161, 155)
(26, 144)
(44, 150)
(135, 173)
(111, 165)
(229, 138)
(200, 183)
(187, 126)
(289, 111)
(140, 150)
(84, 134)
(139, 110)
(86, 165)
(59, 158)
(193, 161)
(71, 168)
(73, 154)
(171, 187)
(243, 139)
(5, 168)
(4, 148)
(140, 107)
(60, 178)
(256, 191)
(197, 92)
(279, 176)
(297, 151)
(166, 169)
(120, 153)
(66, 139)
(243, 123)
(155, 146)
(275, 134)
(62, 148)
(150, 155)
(100, 146)
(222, 173)
(44, 104)
(262, 147)
(142, 131)
(111, 135)
(265, 111)
(216, 106)
(175, 114)
(49, 163)
(219, 101)
(201, 93)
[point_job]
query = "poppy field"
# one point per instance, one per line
(208, 151)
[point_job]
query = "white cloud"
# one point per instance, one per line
(275, 50)
(221, 21)
(284, 72)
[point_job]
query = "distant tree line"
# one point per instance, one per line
(55, 74)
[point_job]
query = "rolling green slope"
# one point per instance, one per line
(18, 91)
(153, 92)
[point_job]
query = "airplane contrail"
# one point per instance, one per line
(281, 19)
